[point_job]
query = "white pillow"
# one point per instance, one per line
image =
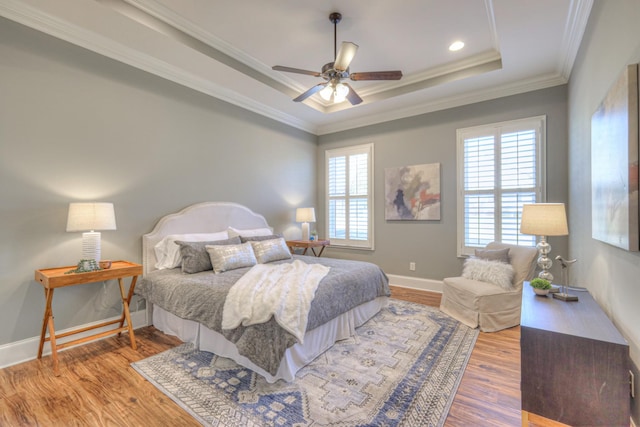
(495, 272)
(249, 232)
(168, 252)
(230, 257)
(270, 250)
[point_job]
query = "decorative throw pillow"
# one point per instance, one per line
(230, 257)
(501, 255)
(495, 272)
(168, 252)
(195, 257)
(270, 250)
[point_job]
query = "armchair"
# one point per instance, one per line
(488, 305)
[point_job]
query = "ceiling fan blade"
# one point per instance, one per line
(313, 90)
(352, 96)
(295, 70)
(376, 75)
(345, 56)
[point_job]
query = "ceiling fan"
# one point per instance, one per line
(334, 72)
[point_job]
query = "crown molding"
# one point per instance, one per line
(579, 11)
(446, 103)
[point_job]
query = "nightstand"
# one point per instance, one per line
(52, 278)
(306, 244)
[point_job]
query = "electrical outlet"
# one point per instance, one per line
(412, 266)
(632, 383)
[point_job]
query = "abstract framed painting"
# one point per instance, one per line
(412, 192)
(614, 164)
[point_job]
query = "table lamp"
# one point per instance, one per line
(544, 219)
(305, 216)
(89, 217)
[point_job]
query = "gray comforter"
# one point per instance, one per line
(200, 297)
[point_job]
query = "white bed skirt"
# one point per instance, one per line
(316, 341)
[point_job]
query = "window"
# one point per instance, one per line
(500, 168)
(349, 195)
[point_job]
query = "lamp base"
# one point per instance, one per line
(565, 297)
(91, 245)
(305, 231)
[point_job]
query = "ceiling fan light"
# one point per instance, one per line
(342, 90)
(338, 99)
(326, 93)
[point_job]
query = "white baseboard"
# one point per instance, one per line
(415, 283)
(27, 349)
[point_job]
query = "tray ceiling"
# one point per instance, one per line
(226, 49)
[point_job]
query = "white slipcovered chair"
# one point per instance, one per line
(488, 305)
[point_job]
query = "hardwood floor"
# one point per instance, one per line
(97, 387)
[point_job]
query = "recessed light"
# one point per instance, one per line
(457, 45)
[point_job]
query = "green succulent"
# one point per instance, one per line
(539, 283)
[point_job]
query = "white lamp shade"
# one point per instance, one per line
(305, 215)
(544, 219)
(91, 216)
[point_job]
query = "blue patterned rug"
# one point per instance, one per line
(402, 368)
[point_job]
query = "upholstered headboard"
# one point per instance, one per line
(208, 217)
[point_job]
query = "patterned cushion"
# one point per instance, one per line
(230, 257)
(195, 257)
(270, 250)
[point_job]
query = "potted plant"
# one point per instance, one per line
(540, 286)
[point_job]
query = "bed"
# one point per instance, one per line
(189, 306)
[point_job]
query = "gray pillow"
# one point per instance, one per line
(270, 250)
(195, 257)
(501, 255)
(230, 257)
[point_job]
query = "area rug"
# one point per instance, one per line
(402, 368)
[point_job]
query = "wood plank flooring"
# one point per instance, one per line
(97, 387)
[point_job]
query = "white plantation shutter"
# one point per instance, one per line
(349, 196)
(499, 169)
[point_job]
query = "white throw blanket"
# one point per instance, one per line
(284, 291)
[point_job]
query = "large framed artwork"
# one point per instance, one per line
(412, 192)
(614, 164)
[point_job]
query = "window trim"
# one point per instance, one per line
(368, 244)
(539, 123)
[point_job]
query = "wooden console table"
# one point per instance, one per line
(574, 363)
(52, 278)
(306, 244)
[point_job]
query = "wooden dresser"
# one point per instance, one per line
(574, 362)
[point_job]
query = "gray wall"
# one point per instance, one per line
(431, 138)
(612, 275)
(76, 126)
